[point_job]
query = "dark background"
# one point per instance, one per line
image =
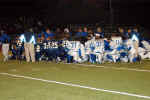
(78, 11)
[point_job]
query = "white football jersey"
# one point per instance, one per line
(74, 45)
(117, 40)
(146, 45)
(88, 46)
(99, 46)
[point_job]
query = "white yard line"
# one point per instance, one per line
(76, 85)
(130, 69)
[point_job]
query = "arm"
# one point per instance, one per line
(22, 38)
(33, 40)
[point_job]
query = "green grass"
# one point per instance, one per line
(104, 78)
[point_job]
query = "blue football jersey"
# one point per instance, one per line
(19, 44)
(54, 44)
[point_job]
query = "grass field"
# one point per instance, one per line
(128, 78)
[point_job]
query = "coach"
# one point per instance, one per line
(5, 39)
(29, 40)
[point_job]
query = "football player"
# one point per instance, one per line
(38, 50)
(89, 49)
(19, 48)
(132, 47)
(74, 51)
(99, 48)
(114, 53)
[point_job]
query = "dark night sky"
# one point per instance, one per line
(79, 11)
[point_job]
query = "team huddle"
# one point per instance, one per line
(94, 50)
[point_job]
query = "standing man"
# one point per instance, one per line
(5, 39)
(29, 40)
(100, 32)
(129, 33)
(85, 32)
(122, 33)
(136, 32)
(0, 43)
(48, 34)
(79, 33)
